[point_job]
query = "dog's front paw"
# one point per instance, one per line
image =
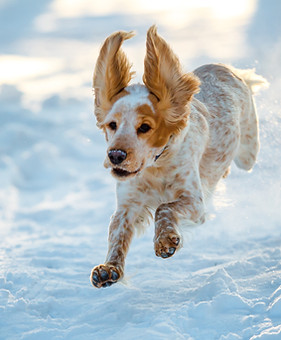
(105, 275)
(166, 244)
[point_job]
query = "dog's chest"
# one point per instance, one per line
(157, 186)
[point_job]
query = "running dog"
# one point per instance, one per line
(169, 141)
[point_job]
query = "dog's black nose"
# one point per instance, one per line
(117, 156)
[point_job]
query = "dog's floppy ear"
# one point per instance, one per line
(164, 78)
(112, 73)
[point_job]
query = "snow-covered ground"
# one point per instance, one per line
(56, 199)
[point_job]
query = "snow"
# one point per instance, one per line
(56, 198)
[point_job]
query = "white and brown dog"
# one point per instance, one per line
(169, 141)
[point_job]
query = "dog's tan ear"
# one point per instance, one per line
(112, 73)
(164, 77)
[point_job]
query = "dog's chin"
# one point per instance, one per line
(123, 175)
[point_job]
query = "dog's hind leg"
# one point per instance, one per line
(249, 128)
(249, 138)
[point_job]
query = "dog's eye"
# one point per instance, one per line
(144, 128)
(112, 126)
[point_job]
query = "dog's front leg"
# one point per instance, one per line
(167, 237)
(120, 235)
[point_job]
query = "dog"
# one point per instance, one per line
(170, 140)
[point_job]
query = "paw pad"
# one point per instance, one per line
(166, 245)
(104, 276)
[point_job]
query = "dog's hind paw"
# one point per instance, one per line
(166, 244)
(105, 275)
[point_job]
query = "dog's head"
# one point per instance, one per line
(138, 120)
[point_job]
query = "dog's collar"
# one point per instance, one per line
(157, 156)
(165, 148)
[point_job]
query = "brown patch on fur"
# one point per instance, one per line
(146, 116)
(161, 130)
(165, 79)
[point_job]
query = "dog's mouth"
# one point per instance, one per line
(124, 174)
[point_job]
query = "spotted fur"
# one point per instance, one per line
(176, 142)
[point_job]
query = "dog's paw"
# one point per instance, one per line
(105, 275)
(166, 244)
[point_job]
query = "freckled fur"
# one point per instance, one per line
(197, 135)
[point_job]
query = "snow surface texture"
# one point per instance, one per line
(56, 199)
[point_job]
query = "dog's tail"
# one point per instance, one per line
(249, 128)
(254, 81)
